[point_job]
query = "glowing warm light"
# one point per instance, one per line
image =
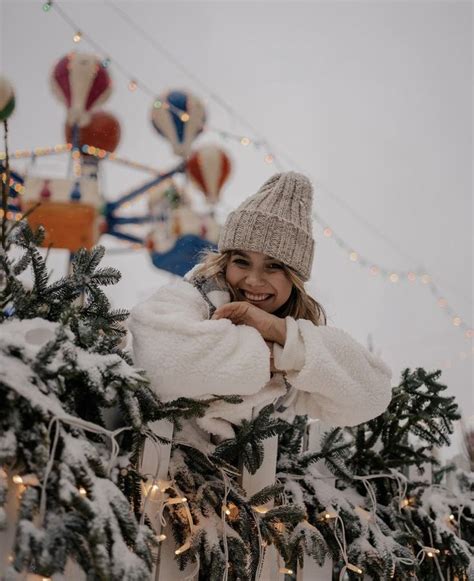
(183, 548)
(185, 117)
(260, 509)
(354, 256)
(132, 85)
(227, 511)
(394, 277)
(161, 538)
(177, 500)
(327, 232)
(77, 37)
(452, 517)
(442, 303)
(426, 278)
(245, 141)
(457, 321)
(17, 479)
(269, 158)
(285, 571)
(469, 333)
(157, 104)
(374, 270)
(354, 568)
(82, 491)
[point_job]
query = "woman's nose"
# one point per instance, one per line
(255, 278)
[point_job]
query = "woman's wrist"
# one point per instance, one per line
(278, 332)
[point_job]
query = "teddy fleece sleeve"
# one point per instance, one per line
(185, 354)
(339, 382)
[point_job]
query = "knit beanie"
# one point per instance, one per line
(276, 221)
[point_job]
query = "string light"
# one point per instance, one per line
(162, 538)
(285, 571)
(260, 509)
(431, 551)
(185, 117)
(157, 104)
(353, 256)
(77, 37)
(354, 568)
(17, 479)
(47, 6)
(327, 232)
(82, 491)
(132, 85)
(183, 548)
(245, 141)
(327, 514)
(457, 321)
(177, 500)
(269, 158)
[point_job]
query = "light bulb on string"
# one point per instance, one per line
(161, 538)
(157, 104)
(269, 158)
(106, 62)
(394, 277)
(442, 303)
(47, 6)
(183, 548)
(245, 141)
(132, 85)
(374, 270)
(327, 232)
(77, 37)
(457, 321)
(185, 117)
(353, 256)
(426, 278)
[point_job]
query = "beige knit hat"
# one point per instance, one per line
(276, 221)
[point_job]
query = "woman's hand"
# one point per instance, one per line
(271, 327)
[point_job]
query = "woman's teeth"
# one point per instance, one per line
(256, 298)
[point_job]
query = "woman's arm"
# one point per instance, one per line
(336, 378)
(184, 353)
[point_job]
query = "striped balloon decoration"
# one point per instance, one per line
(7, 99)
(209, 168)
(180, 118)
(81, 83)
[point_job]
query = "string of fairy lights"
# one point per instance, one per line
(375, 270)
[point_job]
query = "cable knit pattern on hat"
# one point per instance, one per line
(276, 221)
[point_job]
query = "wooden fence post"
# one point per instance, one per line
(311, 571)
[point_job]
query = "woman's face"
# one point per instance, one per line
(258, 279)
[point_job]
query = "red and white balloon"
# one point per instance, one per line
(209, 168)
(7, 98)
(103, 131)
(81, 83)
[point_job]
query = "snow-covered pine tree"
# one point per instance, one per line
(61, 368)
(391, 527)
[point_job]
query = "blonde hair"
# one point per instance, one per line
(299, 306)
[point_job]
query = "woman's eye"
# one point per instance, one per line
(240, 261)
(275, 266)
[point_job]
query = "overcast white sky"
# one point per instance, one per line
(372, 99)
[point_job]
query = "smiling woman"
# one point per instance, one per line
(242, 323)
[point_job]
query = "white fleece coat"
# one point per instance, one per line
(333, 377)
